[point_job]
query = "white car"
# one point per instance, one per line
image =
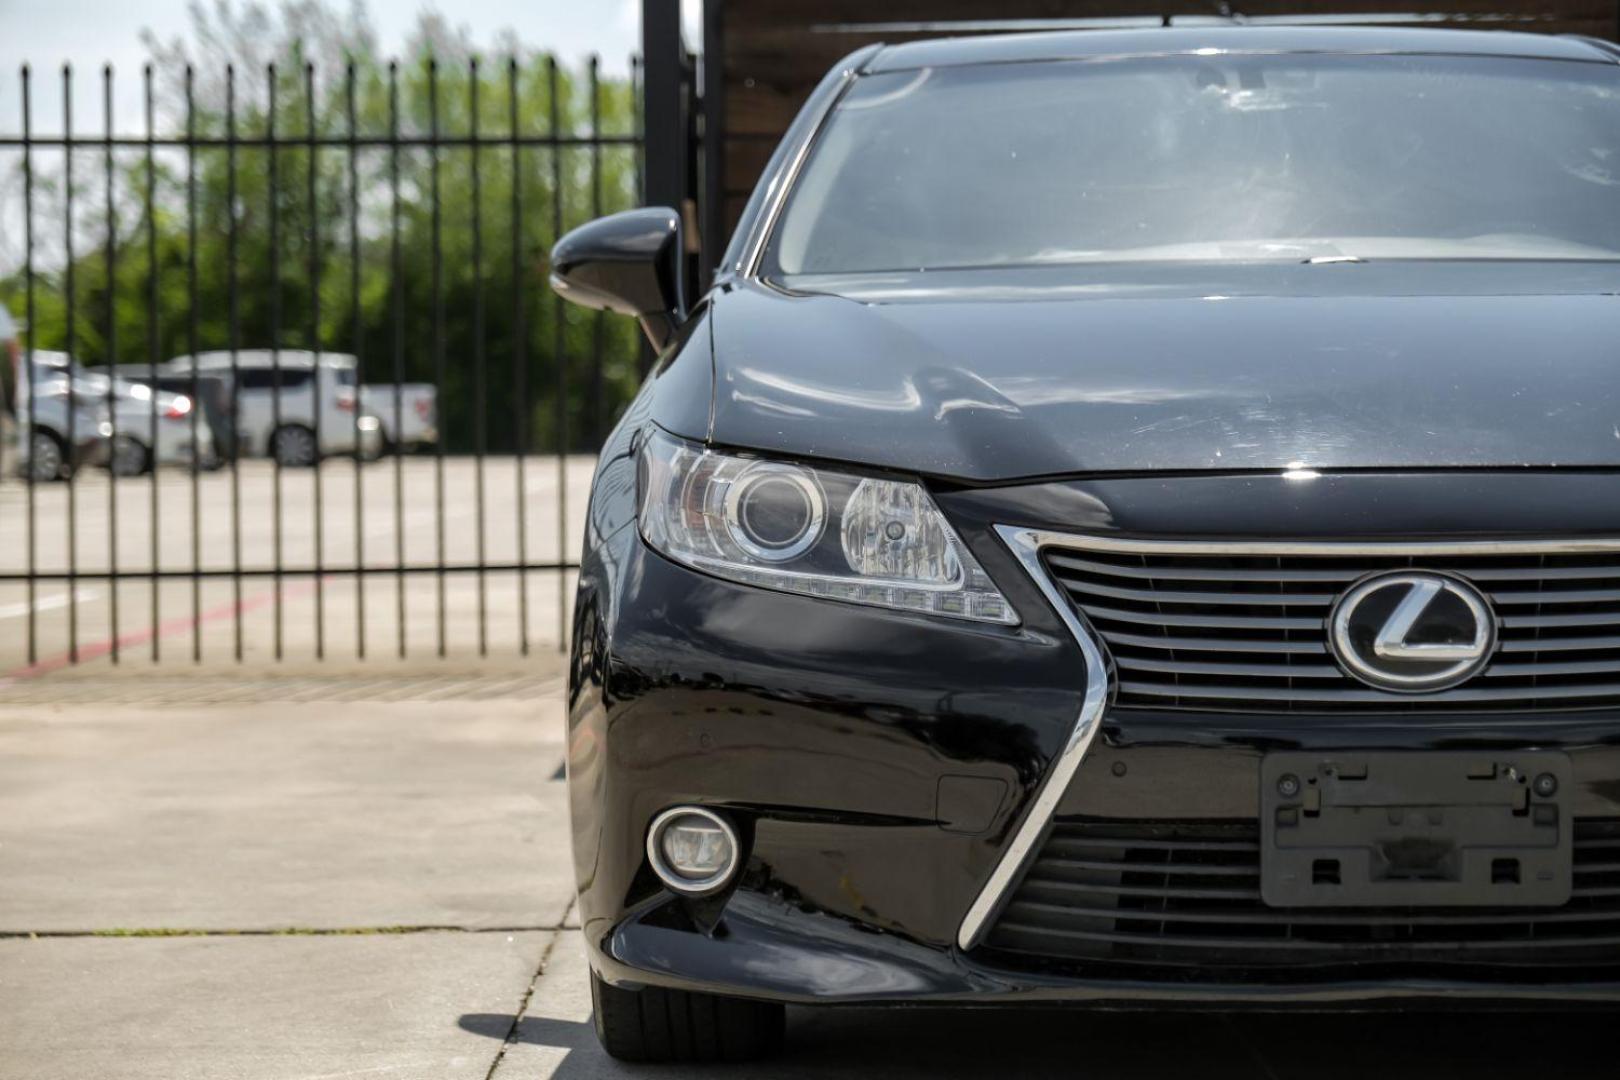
(59, 432)
(313, 396)
(147, 429)
(134, 450)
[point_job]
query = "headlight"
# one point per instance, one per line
(811, 531)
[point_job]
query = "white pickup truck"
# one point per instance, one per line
(415, 422)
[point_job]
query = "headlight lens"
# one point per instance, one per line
(775, 512)
(811, 531)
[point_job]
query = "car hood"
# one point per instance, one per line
(1022, 374)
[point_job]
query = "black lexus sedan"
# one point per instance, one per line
(1136, 521)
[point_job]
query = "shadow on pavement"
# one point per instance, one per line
(1040, 1043)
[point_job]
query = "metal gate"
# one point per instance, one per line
(291, 382)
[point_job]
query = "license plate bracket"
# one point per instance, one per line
(1423, 829)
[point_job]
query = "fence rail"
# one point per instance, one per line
(343, 282)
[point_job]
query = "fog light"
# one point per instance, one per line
(693, 851)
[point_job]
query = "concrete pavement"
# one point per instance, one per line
(267, 888)
(390, 517)
(221, 1007)
(349, 815)
(293, 884)
(395, 512)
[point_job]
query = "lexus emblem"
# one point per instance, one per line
(1412, 631)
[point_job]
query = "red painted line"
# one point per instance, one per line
(168, 628)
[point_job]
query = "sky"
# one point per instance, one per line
(90, 33)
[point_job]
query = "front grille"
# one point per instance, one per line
(1185, 895)
(1248, 632)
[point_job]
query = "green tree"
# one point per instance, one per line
(334, 246)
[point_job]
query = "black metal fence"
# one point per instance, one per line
(291, 381)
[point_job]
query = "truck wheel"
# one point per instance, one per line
(659, 1025)
(294, 447)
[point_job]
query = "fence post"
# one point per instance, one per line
(216, 229)
(663, 97)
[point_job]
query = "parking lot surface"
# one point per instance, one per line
(412, 512)
(334, 875)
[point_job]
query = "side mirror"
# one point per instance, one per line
(629, 263)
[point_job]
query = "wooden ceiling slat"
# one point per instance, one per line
(734, 208)
(1531, 9)
(752, 14)
(787, 57)
(754, 108)
(748, 16)
(745, 160)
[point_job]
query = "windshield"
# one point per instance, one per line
(1274, 157)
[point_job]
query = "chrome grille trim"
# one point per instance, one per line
(1241, 625)
(1578, 546)
(1026, 545)
(1363, 695)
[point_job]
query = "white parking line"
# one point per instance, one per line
(46, 603)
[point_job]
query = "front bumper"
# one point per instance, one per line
(768, 951)
(881, 764)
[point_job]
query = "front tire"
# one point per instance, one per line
(655, 1024)
(129, 457)
(47, 460)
